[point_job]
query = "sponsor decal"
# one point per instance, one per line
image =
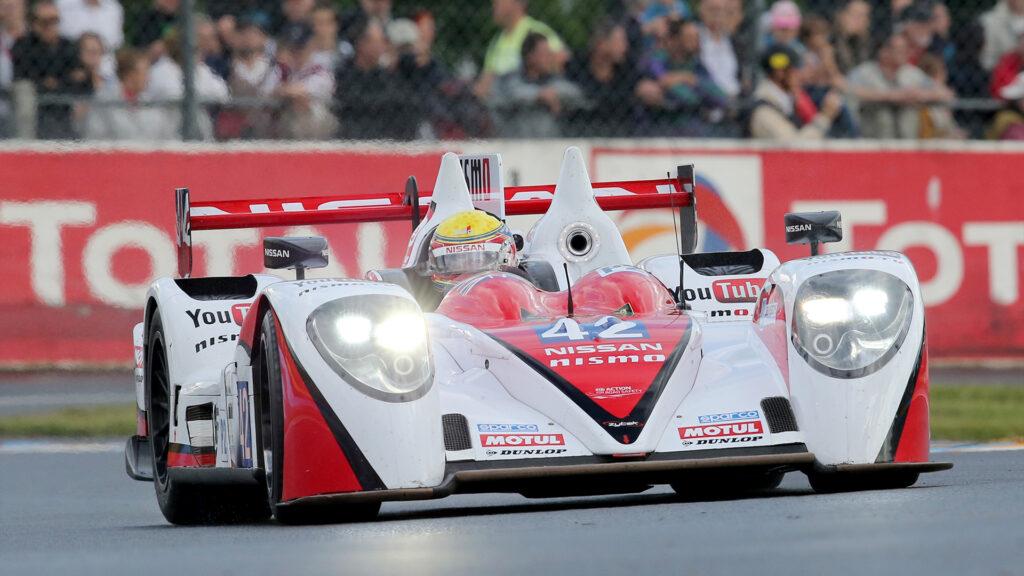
(527, 452)
(603, 392)
(742, 428)
(208, 318)
(478, 176)
(489, 440)
(214, 340)
(737, 290)
(730, 440)
(507, 428)
(729, 416)
(799, 228)
(277, 253)
(623, 423)
(238, 312)
(726, 313)
(600, 354)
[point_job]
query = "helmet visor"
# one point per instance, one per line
(466, 258)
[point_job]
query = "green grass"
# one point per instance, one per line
(966, 413)
(977, 413)
(93, 421)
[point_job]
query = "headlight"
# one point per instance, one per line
(850, 323)
(378, 343)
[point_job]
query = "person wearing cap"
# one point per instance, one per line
(774, 114)
(784, 21)
(915, 22)
(891, 93)
(1008, 124)
(303, 85)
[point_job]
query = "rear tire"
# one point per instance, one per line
(832, 483)
(186, 503)
(270, 441)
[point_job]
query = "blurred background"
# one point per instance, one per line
(428, 70)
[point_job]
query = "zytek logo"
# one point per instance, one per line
(522, 440)
(747, 428)
(238, 312)
(200, 318)
(733, 291)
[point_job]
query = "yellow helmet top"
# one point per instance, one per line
(468, 226)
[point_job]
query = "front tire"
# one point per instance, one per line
(267, 373)
(186, 503)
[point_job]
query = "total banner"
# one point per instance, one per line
(83, 231)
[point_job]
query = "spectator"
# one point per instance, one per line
(12, 27)
(504, 54)
(916, 25)
(104, 17)
(327, 49)
(153, 24)
(530, 102)
(93, 75)
(891, 92)
(684, 99)
(937, 121)
(296, 12)
(209, 46)
(784, 21)
(1002, 24)
(372, 100)
(1009, 122)
(1008, 68)
(608, 83)
(967, 77)
(942, 43)
(251, 66)
(717, 52)
(124, 114)
(821, 74)
(48, 61)
(885, 14)
(165, 87)
(303, 85)
(774, 113)
(852, 34)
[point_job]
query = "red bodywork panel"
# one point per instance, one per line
(612, 357)
(916, 438)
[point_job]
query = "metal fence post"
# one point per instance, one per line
(190, 100)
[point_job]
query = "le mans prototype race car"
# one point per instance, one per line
(581, 373)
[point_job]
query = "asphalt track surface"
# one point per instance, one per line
(33, 392)
(80, 514)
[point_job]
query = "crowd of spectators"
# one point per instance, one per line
(306, 69)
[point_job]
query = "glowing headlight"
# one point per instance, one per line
(400, 332)
(376, 342)
(849, 323)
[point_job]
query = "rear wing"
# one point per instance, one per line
(411, 206)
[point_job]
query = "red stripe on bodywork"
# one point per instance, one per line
(313, 461)
(916, 438)
(184, 456)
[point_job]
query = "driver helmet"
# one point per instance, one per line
(468, 243)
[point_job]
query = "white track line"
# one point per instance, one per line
(60, 446)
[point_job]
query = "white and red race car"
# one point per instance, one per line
(581, 372)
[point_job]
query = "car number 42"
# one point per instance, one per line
(605, 328)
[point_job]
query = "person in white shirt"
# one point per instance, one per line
(716, 49)
(103, 17)
(304, 86)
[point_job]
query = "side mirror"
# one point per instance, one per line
(299, 253)
(813, 228)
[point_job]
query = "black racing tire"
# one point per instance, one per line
(270, 442)
(183, 503)
(832, 483)
(728, 484)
